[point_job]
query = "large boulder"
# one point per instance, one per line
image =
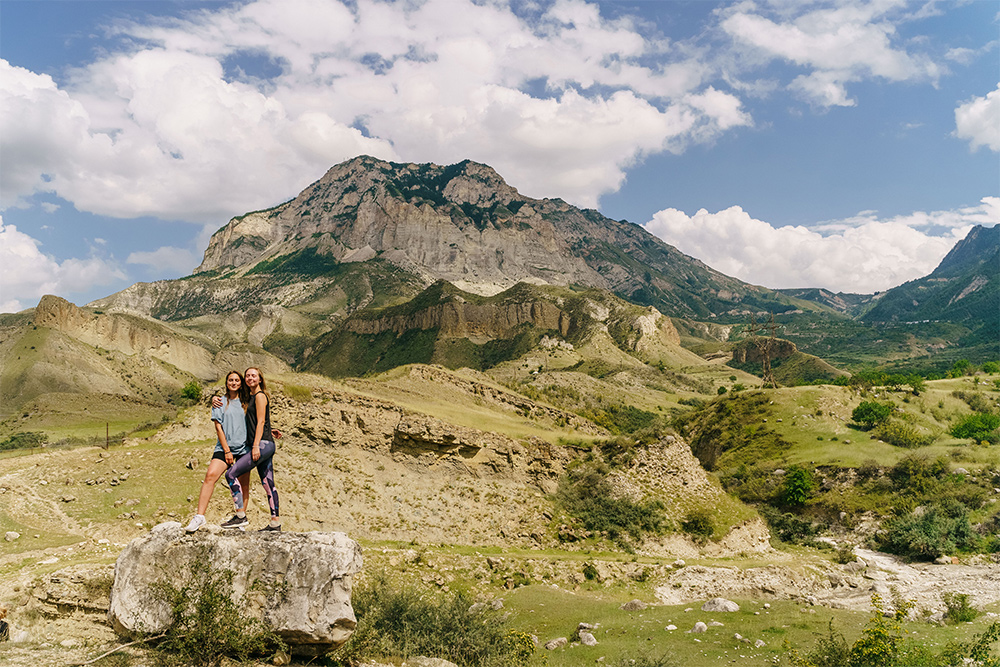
(298, 584)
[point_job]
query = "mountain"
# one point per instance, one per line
(964, 288)
(371, 232)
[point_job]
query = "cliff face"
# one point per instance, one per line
(462, 223)
(127, 334)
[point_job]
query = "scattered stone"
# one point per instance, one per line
(943, 560)
(720, 604)
(679, 563)
(671, 627)
(715, 624)
(633, 605)
(11, 535)
(553, 644)
(767, 605)
(69, 643)
(760, 643)
(68, 499)
(191, 464)
(699, 627)
(587, 639)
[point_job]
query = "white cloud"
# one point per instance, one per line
(978, 120)
(861, 255)
(163, 130)
(169, 260)
(26, 273)
(838, 43)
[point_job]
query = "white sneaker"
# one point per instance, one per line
(197, 522)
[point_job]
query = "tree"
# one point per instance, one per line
(871, 413)
(797, 487)
(191, 391)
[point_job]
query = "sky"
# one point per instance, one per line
(838, 144)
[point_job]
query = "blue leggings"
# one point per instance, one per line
(244, 465)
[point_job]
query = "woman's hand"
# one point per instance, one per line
(216, 401)
(255, 452)
(229, 459)
(275, 433)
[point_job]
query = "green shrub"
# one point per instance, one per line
(586, 494)
(942, 528)
(957, 607)
(699, 524)
(24, 440)
(191, 391)
(976, 400)
(395, 622)
(902, 434)
(980, 427)
(788, 527)
(797, 486)
(991, 367)
(871, 413)
(917, 475)
(208, 625)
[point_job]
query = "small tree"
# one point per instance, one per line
(980, 427)
(191, 391)
(797, 486)
(871, 413)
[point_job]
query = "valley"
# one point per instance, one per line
(514, 399)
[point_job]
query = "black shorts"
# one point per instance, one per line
(219, 455)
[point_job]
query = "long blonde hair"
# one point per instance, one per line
(263, 384)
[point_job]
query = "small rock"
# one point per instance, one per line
(69, 643)
(633, 605)
(699, 627)
(767, 605)
(720, 604)
(943, 560)
(587, 639)
(671, 627)
(191, 464)
(68, 499)
(553, 644)
(760, 643)
(715, 624)
(10, 536)
(680, 563)
(281, 658)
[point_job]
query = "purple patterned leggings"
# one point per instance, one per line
(246, 463)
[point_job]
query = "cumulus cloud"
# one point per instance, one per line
(177, 127)
(27, 273)
(177, 261)
(838, 43)
(862, 255)
(978, 121)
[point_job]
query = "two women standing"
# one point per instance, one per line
(242, 421)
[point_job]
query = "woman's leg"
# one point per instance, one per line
(237, 478)
(266, 471)
(212, 475)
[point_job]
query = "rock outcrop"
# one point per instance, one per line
(299, 584)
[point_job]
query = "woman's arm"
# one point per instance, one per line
(261, 402)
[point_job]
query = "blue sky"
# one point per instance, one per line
(838, 144)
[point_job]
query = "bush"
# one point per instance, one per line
(24, 440)
(918, 475)
(943, 528)
(797, 486)
(957, 608)
(871, 413)
(902, 434)
(788, 527)
(403, 623)
(699, 524)
(991, 367)
(980, 427)
(586, 494)
(191, 391)
(208, 625)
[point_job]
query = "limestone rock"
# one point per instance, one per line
(553, 644)
(587, 639)
(633, 605)
(699, 627)
(720, 604)
(299, 584)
